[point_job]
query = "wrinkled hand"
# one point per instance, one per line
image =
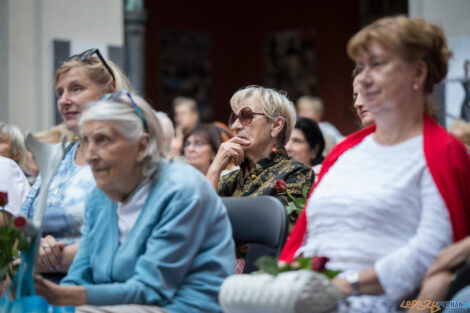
(451, 257)
(59, 295)
(47, 289)
(50, 255)
(230, 150)
(4, 286)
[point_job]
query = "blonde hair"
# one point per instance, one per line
(190, 102)
(461, 129)
(413, 39)
(129, 124)
(314, 102)
(274, 103)
(96, 72)
(54, 134)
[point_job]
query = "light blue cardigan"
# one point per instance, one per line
(176, 255)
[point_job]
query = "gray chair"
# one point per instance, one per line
(258, 221)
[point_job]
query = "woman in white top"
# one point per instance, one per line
(13, 182)
(390, 196)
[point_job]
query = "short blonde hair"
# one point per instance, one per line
(129, 124)
(413, 39)
(274, 103)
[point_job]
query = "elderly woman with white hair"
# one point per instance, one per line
(12, 143)
(156, 237)
(262, 121)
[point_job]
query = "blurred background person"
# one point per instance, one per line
(168, 133)
(388, 187)
(306, 143)
(12, 144)
(14, 183)
(313, 108)
(461, 130)
(364, 116)
(79, 80)
(201, 145)
(156, 233)
(186, 116)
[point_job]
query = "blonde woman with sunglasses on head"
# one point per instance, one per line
(79, 80)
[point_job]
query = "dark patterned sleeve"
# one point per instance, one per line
(227, 184)
(303, 175)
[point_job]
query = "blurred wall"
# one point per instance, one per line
(452, 15)
(238, 30)
(27, 28)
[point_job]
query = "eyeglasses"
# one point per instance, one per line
(87, 54)
(195, 143)
(245, 117)
(115, 96)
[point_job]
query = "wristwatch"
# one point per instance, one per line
(353, 280)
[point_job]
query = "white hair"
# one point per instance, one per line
(168, 132)
(275, 103)
(15, 136)
(129, 124)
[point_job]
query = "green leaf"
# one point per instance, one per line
(305, 191)
(331, 274)
(268, 265)
(3, 271)
(305, 263)
(291, 208)
(299, 203)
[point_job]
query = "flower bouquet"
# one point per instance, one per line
(12, 242)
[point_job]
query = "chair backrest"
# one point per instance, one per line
(258, 220)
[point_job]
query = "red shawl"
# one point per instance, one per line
(447, 161)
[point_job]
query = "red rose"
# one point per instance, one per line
(319, 262)
(281, 185)
(3, 198)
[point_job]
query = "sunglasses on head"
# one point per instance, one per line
(116, 97)
(245, 117)
(87, 54)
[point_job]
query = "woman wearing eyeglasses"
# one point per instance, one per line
(156, 236)
(201, 145)
(262, 122)
(79, 80)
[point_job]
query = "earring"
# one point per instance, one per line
(274, 150)
(415, 87)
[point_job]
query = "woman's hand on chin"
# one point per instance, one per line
(230, 150)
